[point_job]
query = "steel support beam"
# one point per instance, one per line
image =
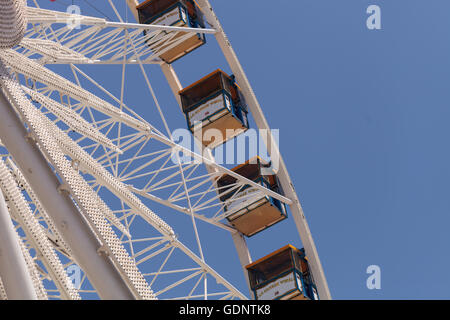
(273, 151)
(173, 81)
(132, 4)
(244, 256)
(14, 274)
(75, 230)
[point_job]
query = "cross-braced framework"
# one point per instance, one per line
(111, 163)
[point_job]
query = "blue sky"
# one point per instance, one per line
(363, 118)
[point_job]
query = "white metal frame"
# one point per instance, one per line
(98, 146)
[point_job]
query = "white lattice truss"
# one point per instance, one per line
(102, 150)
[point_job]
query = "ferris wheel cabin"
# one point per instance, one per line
(248, 209)
(282, 275)
(215, 102)
(178, 13)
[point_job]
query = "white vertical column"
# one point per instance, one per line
(244, 256)
(16, 280)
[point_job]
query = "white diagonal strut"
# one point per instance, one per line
(41, 293)
(35, 233)
(14, 273)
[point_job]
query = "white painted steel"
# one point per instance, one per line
(108, 154)
(14, 274)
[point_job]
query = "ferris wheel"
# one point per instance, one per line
(86, 183)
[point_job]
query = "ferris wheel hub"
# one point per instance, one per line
(13, 22)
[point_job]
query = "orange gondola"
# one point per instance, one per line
(179, 13)
(215, 102)
(248, 209)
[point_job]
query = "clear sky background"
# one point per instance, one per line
(364, 125)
